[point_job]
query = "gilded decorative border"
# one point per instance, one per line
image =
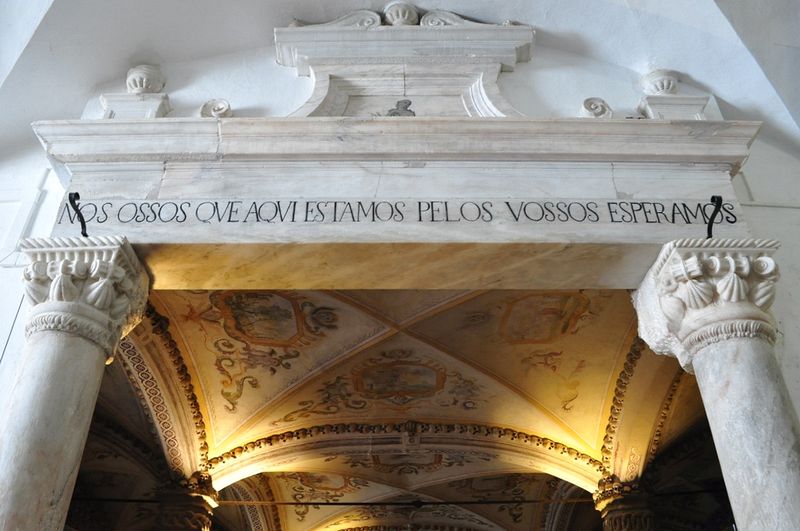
(160, 327)
(618, 401)
(663, 413)
(252, 512)
(146, 388)
(410, 427)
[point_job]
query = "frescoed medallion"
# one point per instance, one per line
(260, 318)
(264, 329)
(398, 378)
(542, 317)
(399, 382)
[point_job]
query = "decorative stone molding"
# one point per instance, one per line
(395, 13)
(596, 108)
(624, 507)
(662, 102)
(256, 488)
(178, 511)
(152, 403)
(92, 287)
(557, 515)
(407, 428)
(143, 99)
(618, 402)
(441, 38)
(663, 415)
(672, 107)
(628, 515)
(170, 141)
(447, 64)
(399, 13)
(187, 504)
(701, 291)
(216, 109)
(160, 327)
(133, 106)
(518, 449)
(185, 451)
(441, 18)
(145, 79)
(660, 82)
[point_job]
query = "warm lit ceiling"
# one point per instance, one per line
(395, 396)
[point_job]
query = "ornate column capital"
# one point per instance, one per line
(700, 291)
(611, 489)
(623, 506)
(187, 505)
(95, 288)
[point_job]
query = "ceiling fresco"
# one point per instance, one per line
(270, 361)
(345, 410)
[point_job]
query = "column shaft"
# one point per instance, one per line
(45, 428)
(755, 432)
(707, 302)
(86, 293)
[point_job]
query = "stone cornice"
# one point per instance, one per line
(92, 287)
(443, 138)
(700, 291)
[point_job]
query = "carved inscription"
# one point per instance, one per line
(174, 213)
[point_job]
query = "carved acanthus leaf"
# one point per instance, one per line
(93, 287)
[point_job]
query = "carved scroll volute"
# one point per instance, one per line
(706, 291)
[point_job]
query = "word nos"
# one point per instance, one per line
(295, 211)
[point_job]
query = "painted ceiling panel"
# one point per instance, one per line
(249, 347)
(555, 348)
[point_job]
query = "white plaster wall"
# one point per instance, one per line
(770, 192)
(29, 198)
(18, 22)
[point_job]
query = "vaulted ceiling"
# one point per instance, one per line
(399, 399)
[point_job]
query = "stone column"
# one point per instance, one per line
(707, 303)
(86, 293)
(623, 506)
(187, 506)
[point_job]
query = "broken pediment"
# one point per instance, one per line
(366, 64)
